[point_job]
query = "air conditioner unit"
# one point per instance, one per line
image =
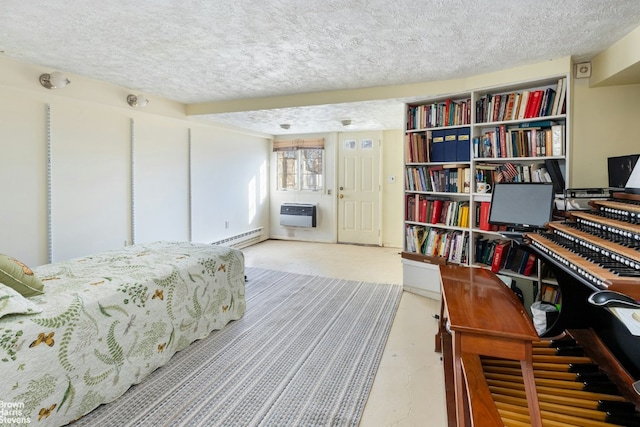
(298, 215)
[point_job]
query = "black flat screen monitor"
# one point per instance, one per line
(522, 205)
(620, 168)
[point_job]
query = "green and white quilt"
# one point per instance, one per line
(108, 321)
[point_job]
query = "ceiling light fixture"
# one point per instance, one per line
(55, 80)
(346, 122)
(137, 100)
(285, 125)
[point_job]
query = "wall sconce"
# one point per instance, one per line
(346, 122)
(55, 80)
(285, 126)
(137, 100)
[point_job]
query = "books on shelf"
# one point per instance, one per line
(557, 140)
(483, 216)
(417, 179)
(444, 178)
(500, 255)
(439, 114)
(529, 139)
(544, 171)
(416, 148)
(529, 265)
(436, 242)
(559, 106)
(415, 236)
(522, 105)
(433, 210)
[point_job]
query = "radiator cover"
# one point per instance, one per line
(298, 215)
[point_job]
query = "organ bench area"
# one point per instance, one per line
(582, 371)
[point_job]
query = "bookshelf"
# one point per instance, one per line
(515, 132)
(437, 189)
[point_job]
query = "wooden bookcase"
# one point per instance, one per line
(455, 141)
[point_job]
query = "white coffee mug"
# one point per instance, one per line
(483, 187)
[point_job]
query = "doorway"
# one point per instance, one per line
(359, 188)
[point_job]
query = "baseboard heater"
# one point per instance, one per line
(298, 215)
(241, 240)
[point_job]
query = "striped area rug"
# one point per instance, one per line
(304, 354)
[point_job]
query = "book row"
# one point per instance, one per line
(417, 147)
(503, 255)
(517, 141)
(522, 105)
(425, 209)
(447, 113)
(531, 139)
(447, 178)
(547, 171)
(444, 145)
(452, 245)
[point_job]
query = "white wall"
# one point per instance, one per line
(230, 184)
(393, 192)
(177, 194)
(23, 176)
(89, 180)
(161, 180)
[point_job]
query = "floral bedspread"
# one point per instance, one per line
(108, 321)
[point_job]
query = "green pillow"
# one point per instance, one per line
(11, 302)
(18, 276)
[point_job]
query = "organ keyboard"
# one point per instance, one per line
(586, 378)
(592, 251)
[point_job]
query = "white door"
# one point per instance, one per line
(359, 188)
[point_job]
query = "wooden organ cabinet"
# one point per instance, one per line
(584, 371)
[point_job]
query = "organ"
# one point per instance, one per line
(585, 366)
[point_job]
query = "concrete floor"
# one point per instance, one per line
(408, 389)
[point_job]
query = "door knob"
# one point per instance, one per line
(342, 196)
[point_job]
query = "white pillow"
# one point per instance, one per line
(11, 302)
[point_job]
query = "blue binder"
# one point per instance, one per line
(463, 149)
(450, 144)
(437, 146)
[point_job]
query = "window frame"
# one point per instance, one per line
(304, 179)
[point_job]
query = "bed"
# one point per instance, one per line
(105, 322)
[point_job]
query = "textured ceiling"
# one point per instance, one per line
(201, 51)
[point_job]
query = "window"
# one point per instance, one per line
(311, 168)
(300, 165)
(288, 170)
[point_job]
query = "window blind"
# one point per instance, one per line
(297, 144)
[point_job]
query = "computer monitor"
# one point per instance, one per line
(522, 205)
(633, 184)
(620, 168)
